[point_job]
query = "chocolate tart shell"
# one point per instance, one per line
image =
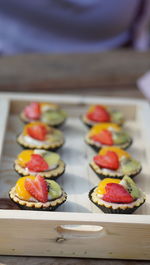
(49, 147)
(107, 175)
(26, 120)
(111, 210)
(51, 174)
(37, 206)
(97, 148)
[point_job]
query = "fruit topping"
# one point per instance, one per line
(54, 190)
(104, 137)
(37, 163)
(120, 152)
(96, 129)
(129, 166)
(38, 188)
(51, 159)
(131, 187)
(99, 114)
(110, 160)
(101, 186)
(32, 111)
(24, 157)
(38, 131)
(21, 190)
(120, 137)
(116, 116)
(117, 193)
(52, 116)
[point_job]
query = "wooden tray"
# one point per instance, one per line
(77, 228)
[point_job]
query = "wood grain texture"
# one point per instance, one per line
(71, 72)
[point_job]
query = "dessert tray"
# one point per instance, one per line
(78, 228)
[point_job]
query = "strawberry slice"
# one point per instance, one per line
(104, 137)
(37, 188)
(116, 193)
(37, 132)
(37, 163)
(110, 160)
(33, 111)
(100, 114)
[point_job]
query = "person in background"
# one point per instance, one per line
(71, 26)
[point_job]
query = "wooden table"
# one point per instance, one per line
(105, 74)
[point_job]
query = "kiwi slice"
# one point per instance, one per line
(129, 166)
(116, 116)
(54, 190)
(52, 116)
(130, 186)
(55, 137)
(120, 137)
(51, 158)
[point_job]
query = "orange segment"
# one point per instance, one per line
(32, 124)
(120, 152)
(20, 188)
(24, 157)
(101, 186)
(92, 108)
(45, 105)
(96, 129)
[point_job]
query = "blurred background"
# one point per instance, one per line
(69, 45)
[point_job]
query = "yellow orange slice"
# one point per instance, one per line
(20, 188)
(96, 129)
(92, 108)
(101, 186)
(24, 157)
(120, 152)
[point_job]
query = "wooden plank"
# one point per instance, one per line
(38, 72)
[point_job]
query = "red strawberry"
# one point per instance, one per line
(110, 160)
(37, 132)
(37, 163)
(33, 111)
(117, 193)
(104, 137)
(100, 114)
(37, 188)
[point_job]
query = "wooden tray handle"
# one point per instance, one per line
(82, 231)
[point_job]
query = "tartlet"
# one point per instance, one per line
(100, 113)
(48, 164)
(115, 196)
(49, 113)
(37, 193)
(38, 135)
(107, 134)
(114, 162)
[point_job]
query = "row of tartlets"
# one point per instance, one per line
(116, 192)
(38, 165)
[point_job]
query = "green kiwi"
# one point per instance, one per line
(120, 137)
(130, 186)
(53, 116)
(116, 116)
(55, 137)
(131, 165)
(51, 158)
(54, 190)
